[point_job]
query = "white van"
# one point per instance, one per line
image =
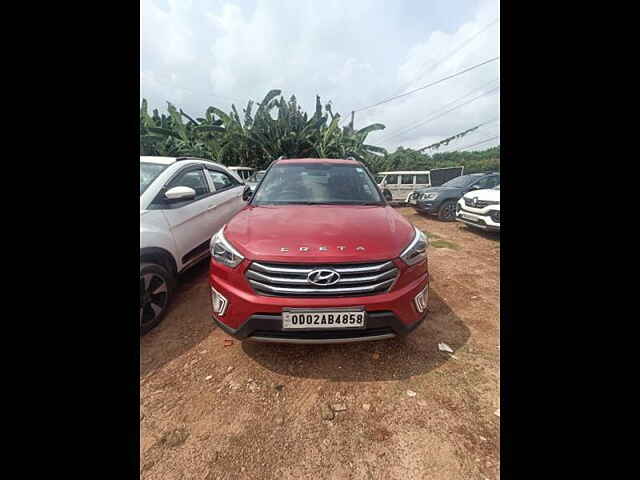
(398, 185)
(243, 173)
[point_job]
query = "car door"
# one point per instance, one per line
(227, 196)
(406, 186)
(391, 184)
(422, 181)
(188, 219)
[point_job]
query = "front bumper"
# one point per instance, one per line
(254, 317)
(478, 217)
(427, 206)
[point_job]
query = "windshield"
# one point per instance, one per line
(460, 181)
(148, 173)
(317, 183)
(256, 177)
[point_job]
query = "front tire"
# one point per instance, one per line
(447, 212)
(156, 288)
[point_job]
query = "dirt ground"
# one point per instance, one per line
(394, 409)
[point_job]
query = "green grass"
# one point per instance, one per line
(439, 243)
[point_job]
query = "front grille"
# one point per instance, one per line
(481, 203)
(285, 280)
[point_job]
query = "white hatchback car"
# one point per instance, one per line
(183, 203)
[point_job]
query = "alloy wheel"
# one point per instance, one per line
(153, 297)
(450, 211)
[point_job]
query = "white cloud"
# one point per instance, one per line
(356, 53)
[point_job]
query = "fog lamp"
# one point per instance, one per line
(219, 302)
(421, 299)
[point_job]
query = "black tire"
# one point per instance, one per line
(156, 289)
(447, 211)
(387, 195)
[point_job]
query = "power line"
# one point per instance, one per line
(430, 84)
(445, 112)
(452, 137)
(393, 134)
(490, 131)
(478, 143)
(451, 54)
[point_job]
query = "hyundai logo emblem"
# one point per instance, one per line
(323, 277)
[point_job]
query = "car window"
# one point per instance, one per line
(392, 179)
(484, 182)
(406, 179)
(194, 179)
(148, 173)
(422, 179)
(256, 177)
(221, 180)
(317, 183)
(495, 180)
(461, 182)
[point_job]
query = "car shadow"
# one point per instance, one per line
(489, 235)
(394, 359)
(186, 323)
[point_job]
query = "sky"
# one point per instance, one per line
(355, 53)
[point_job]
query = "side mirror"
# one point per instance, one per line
(247, 193)
(180, 193)
(475, 187)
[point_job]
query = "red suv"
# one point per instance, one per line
(318, 256)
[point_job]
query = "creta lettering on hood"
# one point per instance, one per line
(323, 248)
(323, 233)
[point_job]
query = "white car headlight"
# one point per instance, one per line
(223, 252)
(416, 251)
(429, 196)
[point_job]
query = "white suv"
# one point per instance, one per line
(183, 202)
(480, 209)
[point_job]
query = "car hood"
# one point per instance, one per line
(436, 189)
(490, 194)
(261, 232)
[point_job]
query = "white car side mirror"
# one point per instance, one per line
(180, 193)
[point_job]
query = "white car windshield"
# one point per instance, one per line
(148, 173)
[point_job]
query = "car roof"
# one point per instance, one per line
(346, 161)
(158, 160)
(405, 172)
(172, 160)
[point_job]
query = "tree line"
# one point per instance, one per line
(276, 127)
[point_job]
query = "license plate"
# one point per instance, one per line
(310, 319)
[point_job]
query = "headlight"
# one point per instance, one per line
(416, 251)
(223, 252)
(429, 196)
